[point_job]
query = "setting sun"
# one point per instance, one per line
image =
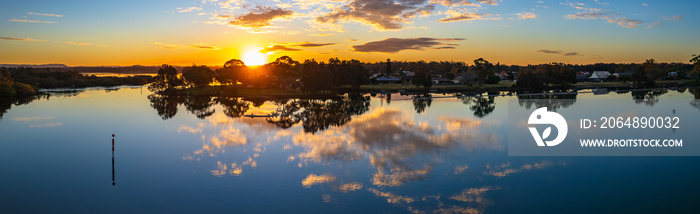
(252, 56)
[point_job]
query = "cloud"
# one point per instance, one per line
(644, 4)
(472, 195)
(260, 17)
(379, 14)
(591, 15)
(349, 187)
(189, 9)
(167, 46)
(454, 16)
(321, 34)
(393, 45)
(505, 169)
(595, 13)
(309, 44)
(78, 43)
(527, 15)
(180, 46)
(491, 2)
(21, 39)
(29, 21)
(313, 179)
(45, 14)
(275, 48)
(27, 119)
(453, 3)
(675, 18)
(45, 125)
(557, 52)
(624, 22)
(204, 46)
(548, 52)
(392, 198)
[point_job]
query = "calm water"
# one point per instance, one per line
(359, 154)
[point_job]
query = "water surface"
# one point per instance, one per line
(383, 154)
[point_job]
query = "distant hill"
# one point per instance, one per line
(34, 66)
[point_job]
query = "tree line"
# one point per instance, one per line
(314, 76)
(22, 81)
(284, 72)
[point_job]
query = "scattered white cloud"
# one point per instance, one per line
(180, 46)
(78, 43)
(45, 14)
(526, 15)
(21, 39)
(29, 21)
(189, 9)
(624, 22)
(675, 18)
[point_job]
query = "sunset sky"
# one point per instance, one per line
(131, 32)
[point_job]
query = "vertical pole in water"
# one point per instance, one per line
(113, 183)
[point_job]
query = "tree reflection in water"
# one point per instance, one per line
(315, 115)
(233, 106)
(7, 102)
(166, 106)
(200, 106)
(551, 101)
(318, 115)
(422, 102)
(696, 102)
(481, 106)
(648, 97)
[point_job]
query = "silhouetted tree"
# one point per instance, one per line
(231, 72)
(387, 69)
(166, 79)
(695, 74)
(315, 77)
(483, 69)
(528, 79)
(198, 76)
(421, 77)
(285, 70)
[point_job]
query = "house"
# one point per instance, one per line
(599, 75)
(388, 80)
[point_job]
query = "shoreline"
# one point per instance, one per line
(278, 93)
